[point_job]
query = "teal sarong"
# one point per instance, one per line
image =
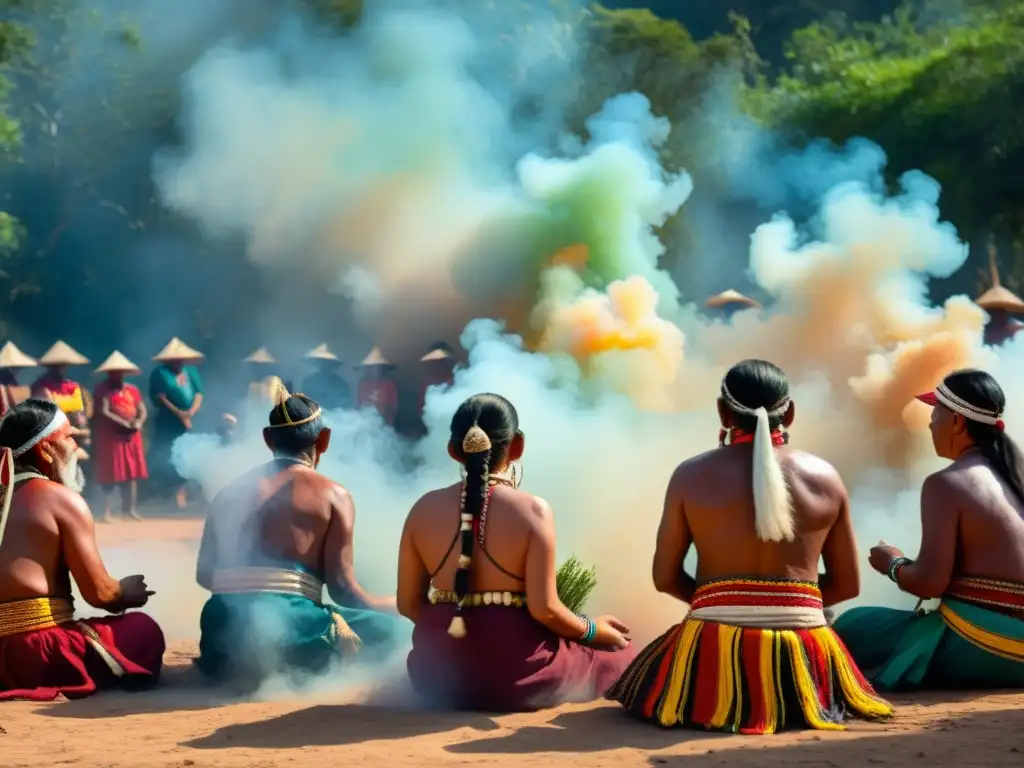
(905, 650)
(250, 637)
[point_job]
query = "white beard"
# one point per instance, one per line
(71, 475)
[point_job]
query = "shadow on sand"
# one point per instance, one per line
(978, 740)
(182, 689)
(337, 725)
(607, 728)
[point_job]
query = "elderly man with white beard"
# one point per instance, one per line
(47, 536)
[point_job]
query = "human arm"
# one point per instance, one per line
(81, 553)
(206, 562)
(339, 558)
(674, 540)
(841, 580)
(141, 414)
(541, 582)
(928, 575)
(197, 387)
(413, 578)
(108, 413)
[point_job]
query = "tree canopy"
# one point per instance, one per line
(937, 85)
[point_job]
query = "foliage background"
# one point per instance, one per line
(89, 90)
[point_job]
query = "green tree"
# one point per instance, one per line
(946, 97)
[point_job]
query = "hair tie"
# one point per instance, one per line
(476, 441)
(1000, 426)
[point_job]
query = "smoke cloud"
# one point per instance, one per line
(390, 161)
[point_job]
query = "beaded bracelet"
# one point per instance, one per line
(589, 631)
(894, 568)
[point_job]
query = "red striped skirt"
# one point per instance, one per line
(735, 677)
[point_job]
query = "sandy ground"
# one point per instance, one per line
(184, 724)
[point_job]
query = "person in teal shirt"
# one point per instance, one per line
(176, 391)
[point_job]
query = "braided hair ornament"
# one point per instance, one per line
(476, 449)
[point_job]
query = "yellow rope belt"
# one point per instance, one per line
(477, 599)
(20, 616)
(241, 581)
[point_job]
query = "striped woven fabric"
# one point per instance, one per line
(749, 679)
(988, 593)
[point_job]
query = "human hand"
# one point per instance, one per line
(611, 633)
(135, 593)
(882, 555)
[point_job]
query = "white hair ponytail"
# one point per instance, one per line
(773, 507)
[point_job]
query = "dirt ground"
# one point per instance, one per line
(183, 724)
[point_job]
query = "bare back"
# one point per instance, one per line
(512, 519)
(50, 538)
(990, 527)
(277, 514)
(31, 559)
(715, 490)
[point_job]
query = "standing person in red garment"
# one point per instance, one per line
(377, 387)
(67, 393)
(47, 536)
(119, 460)
(12, 393)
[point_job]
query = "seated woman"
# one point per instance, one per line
(491, 632)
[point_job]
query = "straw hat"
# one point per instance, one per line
(438, 351)
(62, 354)
(177, 349)
(728, 298)
(998, 297)
(375, 358)
(118, 363)
(12, 357)
(322, 353)
(261, 355)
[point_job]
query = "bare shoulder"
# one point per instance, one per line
(429, 501)
(693, 467)
(949, 482)
(538, 511)
(813, 470)
(67, 505)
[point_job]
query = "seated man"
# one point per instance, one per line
(274, 537)
(46, 530)
(754, 653)
(972, 556)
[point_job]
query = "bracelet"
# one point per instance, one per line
(894, 568)
(589, 630)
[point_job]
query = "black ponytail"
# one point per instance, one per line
(980, 390)
(482, 430)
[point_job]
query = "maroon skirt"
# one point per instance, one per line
(507, 662)
(47, 663)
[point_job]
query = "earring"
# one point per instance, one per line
(722, 433)
(517, 479)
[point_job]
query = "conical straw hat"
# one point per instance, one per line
(438, 351)
(118, 363)
(261, 355)
(322, 353)
(998, 297)
(12, 357)
(62, 354)
(730, 297)
(177, 349)
(376, 358)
